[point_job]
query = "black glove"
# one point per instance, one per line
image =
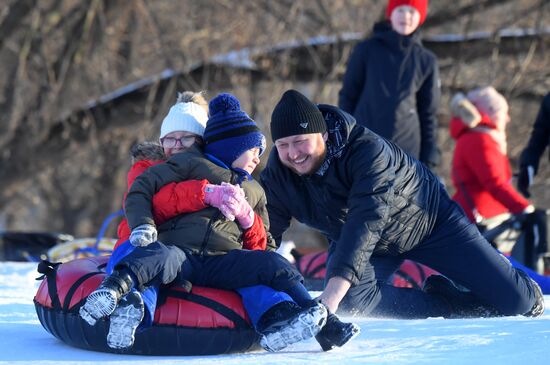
(525, 179)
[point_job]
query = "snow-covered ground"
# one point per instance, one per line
(506, 341)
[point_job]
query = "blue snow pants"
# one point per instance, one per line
(543, 281)
(258, 299)
(456, 249)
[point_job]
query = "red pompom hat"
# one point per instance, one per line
(420, 5)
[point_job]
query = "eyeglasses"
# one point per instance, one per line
(185, 141)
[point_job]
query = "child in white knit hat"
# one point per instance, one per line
(184, 124)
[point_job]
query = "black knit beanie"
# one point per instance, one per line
(294, 114)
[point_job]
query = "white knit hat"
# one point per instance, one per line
(184, 117)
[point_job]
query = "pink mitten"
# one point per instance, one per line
(232, 190)
(213, 195)
(237, 205)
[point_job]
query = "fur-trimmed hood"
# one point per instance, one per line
(147, 151)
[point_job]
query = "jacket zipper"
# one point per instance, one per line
(208, 233)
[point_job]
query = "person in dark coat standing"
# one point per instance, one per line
(379, 206)
(540, 138)
(391, 84)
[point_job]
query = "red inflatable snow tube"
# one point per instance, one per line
(204, 321)
(313, 268)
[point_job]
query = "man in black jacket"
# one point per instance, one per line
(378, 206)
(540, 138)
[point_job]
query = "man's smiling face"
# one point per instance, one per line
(302, 153)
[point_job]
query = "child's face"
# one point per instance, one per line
(175, 142)
(248, 160)
(405, 19)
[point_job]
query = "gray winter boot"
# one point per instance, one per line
(103, 301)
(125, 320)
(287, 323)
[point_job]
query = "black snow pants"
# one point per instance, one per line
(158, 264)
(456, 249)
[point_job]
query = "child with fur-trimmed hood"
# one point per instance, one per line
(481, 172)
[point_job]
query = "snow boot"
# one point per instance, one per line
(462, 303)
(287, 323)
(125, 320)
(103, 301)
(336, 333)
(538, 308)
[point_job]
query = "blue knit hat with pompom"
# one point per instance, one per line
(230, 131)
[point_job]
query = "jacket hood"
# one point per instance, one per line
(147, 151)
(457, 127)
(339, 124)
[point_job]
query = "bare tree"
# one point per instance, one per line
(66, 126)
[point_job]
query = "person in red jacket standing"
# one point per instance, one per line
(481, 172)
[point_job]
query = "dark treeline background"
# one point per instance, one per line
(82, 81)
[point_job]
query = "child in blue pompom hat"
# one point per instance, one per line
(231, 138)
(205, 247)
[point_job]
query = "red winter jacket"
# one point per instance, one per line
(184, 197)
(481, 173)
